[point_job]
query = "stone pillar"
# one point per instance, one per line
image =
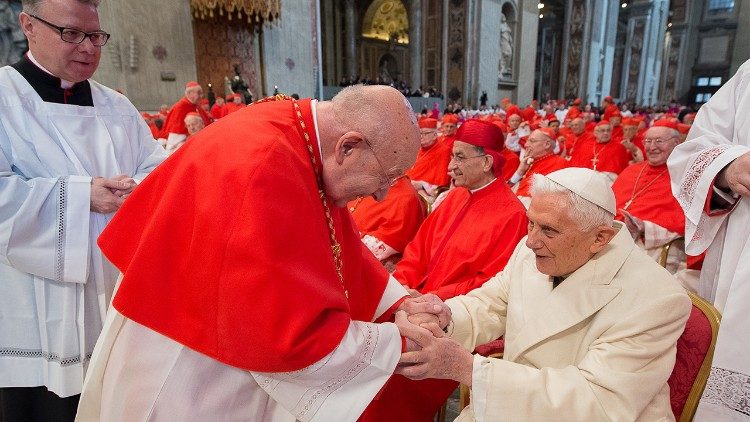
(415, 42)
(601, 49)
(574, 52)
(350, 41)
(643, 50)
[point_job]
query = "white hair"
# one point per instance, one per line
(33, 6)
(586, 214)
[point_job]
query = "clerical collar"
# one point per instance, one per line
(314, 110)
(556, 280)
(63, 83)
(49, 87)
(482, 187)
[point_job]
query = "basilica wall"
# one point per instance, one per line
(489, 50)
(290, 51)
(151, 54)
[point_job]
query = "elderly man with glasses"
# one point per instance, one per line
(644, 197)
(459, 246)
(72, 151)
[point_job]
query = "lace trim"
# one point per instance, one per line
(38, 353)
(371, 340)
(694, 172)
(60, 239)
(728, 389)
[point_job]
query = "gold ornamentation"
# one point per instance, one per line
(261, 10)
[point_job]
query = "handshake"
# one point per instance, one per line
(429, 353)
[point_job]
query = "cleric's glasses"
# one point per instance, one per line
(75, 36)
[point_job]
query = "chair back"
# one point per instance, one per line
(695, 350)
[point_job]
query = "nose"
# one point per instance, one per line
(87, 46)
(532, 240)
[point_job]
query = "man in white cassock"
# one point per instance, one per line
(711, 180)
(270, 308)
(590, 321)
(72, 150)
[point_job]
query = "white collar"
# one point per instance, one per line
(63, 83)
(314, 109)
(482, 187)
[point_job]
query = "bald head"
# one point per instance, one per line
(369, 136)
(577, 125)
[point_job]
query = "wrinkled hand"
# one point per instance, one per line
(104, 200)
(426, 310)
(123, 193)
(430, 357)
(635, 225)
(736, 176)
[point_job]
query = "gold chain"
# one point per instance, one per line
(335, 245)
(634, 194)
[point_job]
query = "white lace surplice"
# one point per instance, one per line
(720, 134)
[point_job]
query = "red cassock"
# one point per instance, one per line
(467, 240)
(572, 140)
(394, 220)
(617, 133)
(218, 111)
(651, 193)
(511, 164)
(432, 163)
(225, 247)
(610, 111)
(175, 121)
(230, 108)
(609, 157)
(543, 165)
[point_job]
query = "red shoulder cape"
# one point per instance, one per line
(225, 247)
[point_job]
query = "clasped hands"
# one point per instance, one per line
(429, 353)
(107, 195)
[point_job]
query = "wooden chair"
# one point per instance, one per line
(667, 248)
(695, 351)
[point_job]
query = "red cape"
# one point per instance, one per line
(175, 121)
(230, 108)
(225, 247)
(510, 166)
(544, 165)
(394, 220)
(218, 111)
(656, 203)
(432, 163)
(467, 240)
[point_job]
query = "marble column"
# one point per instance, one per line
(601, 50)
(643, 50)
(415, 42)
(350, 29)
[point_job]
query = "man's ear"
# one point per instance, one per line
(489, 161)
(346, 144)
(28, 29)
(604, 235)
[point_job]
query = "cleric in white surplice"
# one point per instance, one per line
(71, 151)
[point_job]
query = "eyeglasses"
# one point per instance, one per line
(656, 141)
(390, 180)
(75, 36)
(460, 159)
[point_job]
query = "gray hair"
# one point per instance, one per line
(587, 215)
(356, 107)
(32, 6)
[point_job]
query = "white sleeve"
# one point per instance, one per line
(380, 249)
(151, 153)
(44, 221)
(341, 385)
(714, 141)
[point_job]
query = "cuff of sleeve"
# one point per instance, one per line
(393, 295)
(480, 377)
(719, 202)
(77, 212)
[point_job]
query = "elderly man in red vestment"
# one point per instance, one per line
(540, 158)
(609, 107)
(387, 226)
(174, 129)
(269, 305)
(644, 197)
(601, 154)
(217, 110)
(459, 247)
(430, 171)
(233, 104)
(575, 135)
